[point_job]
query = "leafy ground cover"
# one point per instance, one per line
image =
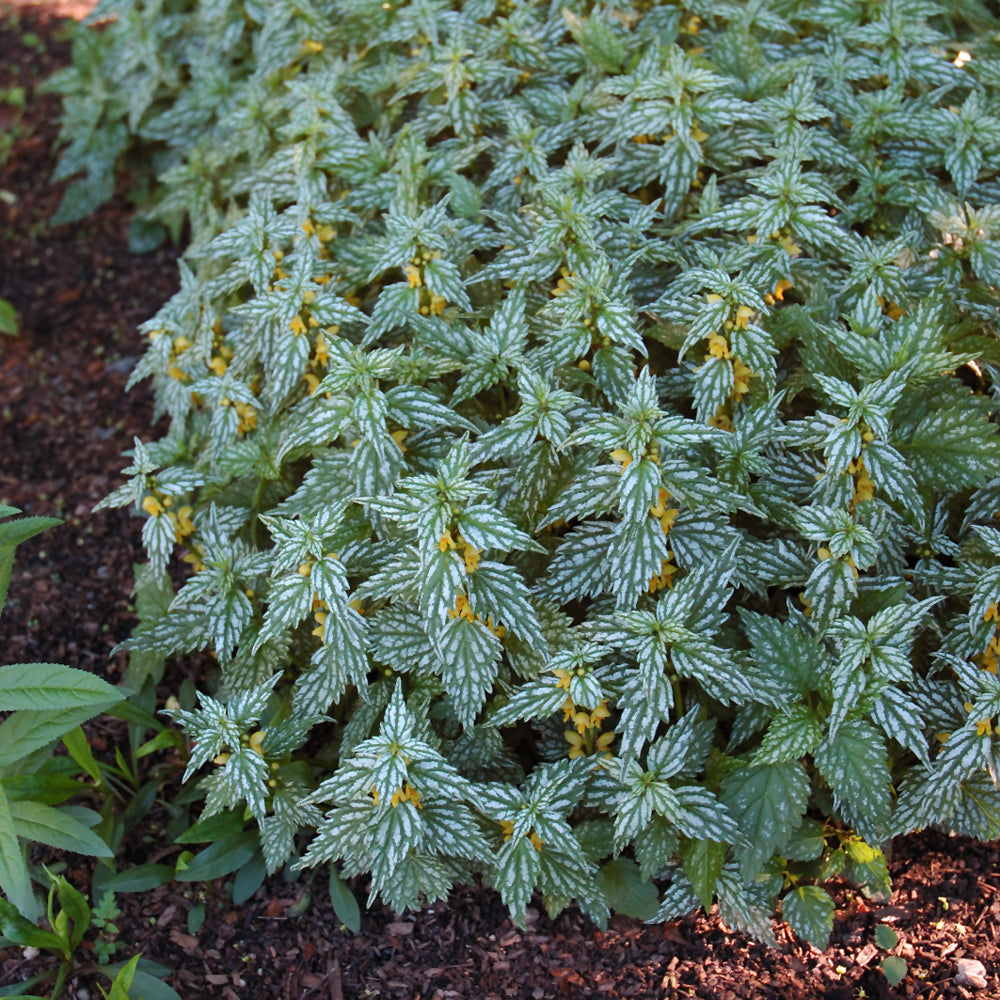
(80, 296)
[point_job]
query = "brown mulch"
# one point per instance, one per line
(64, 419)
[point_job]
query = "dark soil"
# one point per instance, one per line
(64, 419)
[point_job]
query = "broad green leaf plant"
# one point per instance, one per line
(43, 704)
(583, 433)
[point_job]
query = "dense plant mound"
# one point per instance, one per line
(583, 433)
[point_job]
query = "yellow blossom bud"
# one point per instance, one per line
(152, 506)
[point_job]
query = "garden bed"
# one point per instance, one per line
(64, 421)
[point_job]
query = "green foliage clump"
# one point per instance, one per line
(44, 703)
(583, 433)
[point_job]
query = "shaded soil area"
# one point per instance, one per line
(64, 420)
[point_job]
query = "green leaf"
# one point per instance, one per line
(144, 985)
(145, 235)
(14, 878)
(949, 451)
(767, 802)
(6, 566)
(703, 861)
(8, 318)
(626, 891)
(345, 906)
(196, 918)
(885, 937)
(79, 749)
(809, 911)
(52, 789)
(211, 828)
(57, 828)
(12, 533)
(16, 928)
(73, 906)
(29, 730)
(854, 763)
(222, 858)
(868, 869)
(894, 968)
(249, 878)
(51, 686)
(469, 652)
(140, 878)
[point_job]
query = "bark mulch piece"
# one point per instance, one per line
(64, 419)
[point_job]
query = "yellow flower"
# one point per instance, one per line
(575, 741)
(256, 740)
(413, 276)
(320, 618)
(665, 578)
(247, 415)
(779, 290)
(498, 630)
(564, 284)
(722, 420)
(565, 677)
(183, 524)
(470, 554)
(152, 506)
(718, 347)
(791, 248)
(864, 488)
(461, 609)
(406, 794)
(741, 379)
(622, 457)
(320, 354)
(508, 831)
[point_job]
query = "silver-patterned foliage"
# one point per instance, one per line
(583, 430)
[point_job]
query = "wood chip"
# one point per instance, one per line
(866, 955)
(186, 941)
